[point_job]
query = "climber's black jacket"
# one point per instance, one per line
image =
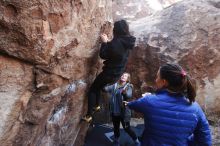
(115, 54)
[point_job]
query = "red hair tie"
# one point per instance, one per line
(183, 73)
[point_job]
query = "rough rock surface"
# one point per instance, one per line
(15, 89)
(187, 33)
(48, 56)
(135, 9)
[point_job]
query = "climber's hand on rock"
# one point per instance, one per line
(104, 38)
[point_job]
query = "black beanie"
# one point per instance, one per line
(121, 28)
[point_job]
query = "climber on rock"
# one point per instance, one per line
(119, 92)
(115, 55)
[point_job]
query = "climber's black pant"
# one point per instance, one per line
(94, 92)
(126, 125)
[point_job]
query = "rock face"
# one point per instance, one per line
(48, 57)
(187, 33)
(135, 9)
(15, 90)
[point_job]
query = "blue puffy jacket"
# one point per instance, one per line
(171, 120)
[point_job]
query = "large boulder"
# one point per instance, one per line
(48, 57)
(135, 9)
(187, 33)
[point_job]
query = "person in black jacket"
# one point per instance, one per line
(115, 55)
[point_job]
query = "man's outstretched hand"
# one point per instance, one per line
(125, 103)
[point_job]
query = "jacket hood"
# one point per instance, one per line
(128, 41)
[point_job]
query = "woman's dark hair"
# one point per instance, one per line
(121, 28)
(178, 80)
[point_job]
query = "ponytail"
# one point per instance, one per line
(191, 89)
(178, 81)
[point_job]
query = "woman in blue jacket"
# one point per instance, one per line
(119, 92)
(171, 115)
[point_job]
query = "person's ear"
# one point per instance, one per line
(165, 83)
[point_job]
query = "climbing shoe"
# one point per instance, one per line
(96, 109)
(87, 118)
